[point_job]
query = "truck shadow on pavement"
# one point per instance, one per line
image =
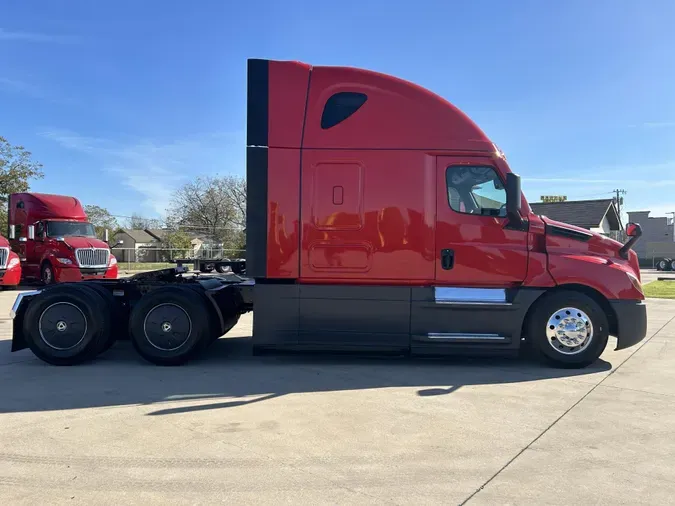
(230, 376)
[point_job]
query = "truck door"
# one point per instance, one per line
(475, 247)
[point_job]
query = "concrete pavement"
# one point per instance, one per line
(233, 428)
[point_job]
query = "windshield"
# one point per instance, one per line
(70, 229)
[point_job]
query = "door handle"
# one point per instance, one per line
(447, 259)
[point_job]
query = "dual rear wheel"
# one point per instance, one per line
(72, 323)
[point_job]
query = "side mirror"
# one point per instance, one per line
(31, 232)
(513, 198)
(106, 235)
(60, 239)
(12, 231)
(117, 244)
(633, 230)
(22, 239)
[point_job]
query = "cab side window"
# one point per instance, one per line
(40, 230)
(475, 190)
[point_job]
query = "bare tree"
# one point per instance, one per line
(212, 206)
(136, 222)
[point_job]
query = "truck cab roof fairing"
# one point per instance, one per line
(396, 115)
(286, 102)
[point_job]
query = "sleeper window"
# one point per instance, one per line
(475, 190)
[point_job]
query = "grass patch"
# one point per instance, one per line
(660, 289)
(143, 266)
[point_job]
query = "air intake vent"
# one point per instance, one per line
(92, 257)
(4, 256)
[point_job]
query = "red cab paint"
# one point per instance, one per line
(64, 247)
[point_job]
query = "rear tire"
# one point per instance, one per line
(169, 325)
(568, 329)
(66, 325)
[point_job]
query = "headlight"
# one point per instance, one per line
(113, 261)
(64, 261)
(635, 281)
(13, 263)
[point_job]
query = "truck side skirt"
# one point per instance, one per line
(419, 320)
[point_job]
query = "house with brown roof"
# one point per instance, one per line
(599, 215)
(138, 245)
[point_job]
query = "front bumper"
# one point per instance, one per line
(631, 322)
(72, 274)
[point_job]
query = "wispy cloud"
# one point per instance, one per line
(16, 86)
(21, 36)
(153, 169)
(655, 124)
(574, 181)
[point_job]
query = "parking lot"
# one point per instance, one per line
(234, 428)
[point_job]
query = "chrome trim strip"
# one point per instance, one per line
(450, 336)
(452, 294)
(19, 299)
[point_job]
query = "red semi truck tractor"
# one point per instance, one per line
(379, 218)
(55, 241)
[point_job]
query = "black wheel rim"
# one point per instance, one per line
(62, 326)
(167, 327)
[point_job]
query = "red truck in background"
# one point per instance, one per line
(55, 241)
(379, 218)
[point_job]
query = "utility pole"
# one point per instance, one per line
(618, 200)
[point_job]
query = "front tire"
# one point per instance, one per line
(568, 329)
(47, 274)
(168, 326)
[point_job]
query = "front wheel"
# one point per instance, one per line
(568, 329)
(47, 274)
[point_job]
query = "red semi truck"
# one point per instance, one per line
(55, 241)
(379, 218)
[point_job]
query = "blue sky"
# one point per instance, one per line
(123, 101)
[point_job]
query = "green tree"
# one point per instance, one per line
(179, 242)
(101, 218)
(17, 168)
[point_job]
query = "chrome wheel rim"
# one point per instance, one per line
(569, 331)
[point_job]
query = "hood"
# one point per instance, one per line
(85, 242)
(570, 237)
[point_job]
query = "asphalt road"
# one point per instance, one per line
(232, 428)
